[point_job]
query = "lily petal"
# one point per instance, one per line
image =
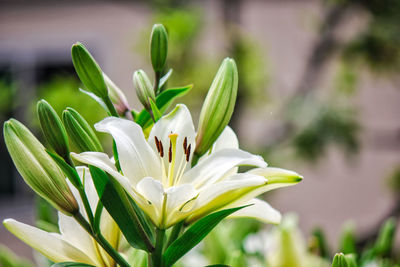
(152, 190)
(137, 158)
(101, 161)
(259, 210)
(227, 139)
(276, 177)
(75, 235)
(178, 121)
(178, 197)
(218, 164)
(49, 244)
(218, 195)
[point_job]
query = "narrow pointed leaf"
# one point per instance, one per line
(163, 101)
(97, 217)
(116, 202)
(156, 112)
(192, 236)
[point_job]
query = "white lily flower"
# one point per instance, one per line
(157, 172)
(73, 243)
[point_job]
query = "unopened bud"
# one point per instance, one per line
(158, 47)
(53, 129)
(79, 131)
(218, 106)
(144, 89)
(88, 70)
(37, 168)
(339, 260)
(117, 96)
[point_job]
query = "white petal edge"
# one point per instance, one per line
(259, 210)
(217, 165)
(49, 244)
(136, 157)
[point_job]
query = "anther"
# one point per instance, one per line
(170, 152)
(188, 152)
(185, 145)
(157, 143)
(161, 148)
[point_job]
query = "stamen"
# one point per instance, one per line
(157, 144)
(161, 148)
(170, 152)
(185, 145)
(188, 152)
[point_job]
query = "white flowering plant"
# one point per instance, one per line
(166, 184)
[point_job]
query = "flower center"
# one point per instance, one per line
(172, 175)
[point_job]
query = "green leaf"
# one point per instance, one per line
(163, 101)
(156, 112)
(69, 171)
(192, 236)
(70, 264)
(116, 202)
(97, 217)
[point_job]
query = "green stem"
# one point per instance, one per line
(156, 256)
(101, 241)
(110, 107)
(157, 82)
(86, 204)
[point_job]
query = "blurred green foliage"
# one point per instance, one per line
(9, 259)
(62, 92)
(379, 44)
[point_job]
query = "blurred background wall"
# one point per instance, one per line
(318, 88)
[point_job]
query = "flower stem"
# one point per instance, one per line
(110, 107)
(101, 241)
(156, 256)
(157, 78)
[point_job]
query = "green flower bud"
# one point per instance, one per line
(88, 70)
(53, 129)
(158, 47)
(117, 96)
(339, 260)
(143, 87)
(218, 106)
(79, 131)
(37, 168)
